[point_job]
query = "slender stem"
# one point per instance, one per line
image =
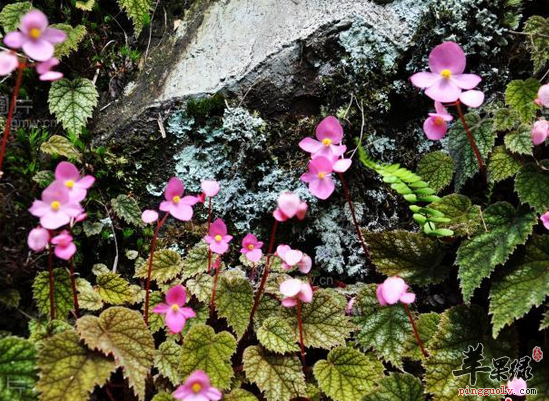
(300, 326)
(214, 289)
(209, 223)
(353, 215)
(74, 292)
(181, 337)
(252, 273)
(50, 269)
(412, 321)
(265, 273)
(153, 247)
(471, 139)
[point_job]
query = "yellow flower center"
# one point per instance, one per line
(218, 237)
(175, 307)
(69, 183)
(55, 205)
(321, 175)
(251, 246)
(446, 73)
(35, 33)
(196, 387)
(326, 142)
(439, 121)
(176, 199)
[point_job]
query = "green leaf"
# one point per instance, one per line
(397, 387)
(62, 294)
(196, 261)
(166, 266)
(463, 326)
(545, 322)
(437, 168)
(465, 218)
(520, 95)
(88, 298)
(383, 328)
(69, 371)
(43, 178)
(138, 11)
(127, 208)
(163, 397)
(167, 360)
(42, 330)
(205, 350)
(234, 301)
(461, 151)
(85, 5)
(279, 378)
(122, 332)
(11, 14)
(60, 146)
(538, 42)
(532, 185)
(478, 257)
(74, 37)
(505, 119)
(520, 140)
(201, 287)
(276, 335)
(72, 102)
(414, 257)
(427, 326)
(17, 369)
(91, 229)
(10, 297)
(239, 395)
(325, 323)
(347, 374)
(113, 289)
(502, 165)
(523, 286)
(540, 371)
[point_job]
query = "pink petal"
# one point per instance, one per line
(342, 165)
(39, 49)
(254, 255)
(444, 91)
(187, 313)
(545, 220)
(306, 293)
(310, 145)
(86, 181)
(34, 19)
(64, 238)
(308, 177)
(408, 298)
(279, 216)
(38, 239)
(518, 386)
(56, 191)
(248, 240)
(321, 164)
(540, 131)
(302, 211)
(305, 264)
(65, 252)
(54, 36)
(379, 294)
(447, 56)
(290, 287)
(165, 206)
(472, 98)
(161, 309)
(393, 289)
(175, 188)
(8, 63)
(14, 40)
(176, 296)
(441, 111)
(66, 171)
(53, 220)
(350, 304)
(434, 131)
(322, 188)
(51, 76)
(289, 302)
(181, 211)
(46, 66)
(39, 208)
(149, 216)
(466, 81)
(219, 247)
(543, 95)
(288, 203)
(330, 128)
(213, 394)
(218, 227)
(210, 187)
(182, 392)
(282, 250)
(293, 257)
(424, 79)
(175, 321)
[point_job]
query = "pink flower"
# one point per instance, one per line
(319, 177)
(329, 134)
(210, 187)
(517, 386)
(218, 238)
(392, 290)
(251, 247)
(56, 207)
(38, 239)
(65, 248)
(446, 80)
(69, 176)
(35, 37)
(540, 131)
(290, 257)
(197, 388)
(178, 207)
(294, 290)
(350, 304)
(8, 62)
(45, 72)
(149, 216)
(436, 125)
(545, 219)
(176, 314)
(543, 95)
(289, 205)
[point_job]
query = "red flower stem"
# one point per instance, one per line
(300, 326)
(412, 321)
(209, 222)
(74, 292)
(265, 273)
(181, 337)
(252, 273)
(153, 247)
(353, 215)
(50, 269)
(214, 289)
(471, 139)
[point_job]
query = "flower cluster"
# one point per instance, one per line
(37, 39)
(326, 157)
(540, 130)
(60, 206)
(393, 290)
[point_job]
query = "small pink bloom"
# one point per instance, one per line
(436, 126)
(472, 98)
(543, 95)
(175, 204)
(350, 304)
(35, 37)
(545, 219)
(38, 239)
(8, 62)
(56, 207)
(251, 247)
(197, 387)
(69, 176)
(64, 247)
(149, 216)
(393, 290)
(319, 177)
(289, 204)
(446, 80)
(540, 131)
(176, 314)
(210, 187)
(218, 238)
(517, 386)
(290, 257)
(45, 72)
(294, 290)
(329, 134)
(305, 264)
